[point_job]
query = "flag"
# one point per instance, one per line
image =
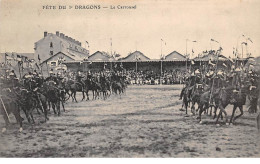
(39, 57)
(214, 40)
(244, 43)
(163, 41)
(87, 43)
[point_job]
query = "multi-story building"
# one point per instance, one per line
(53, 47)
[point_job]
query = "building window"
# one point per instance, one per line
(53, 64)
(51, 45)
(51, 52)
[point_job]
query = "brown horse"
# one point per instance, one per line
(91, 85)
(9, 105)
(74, 87)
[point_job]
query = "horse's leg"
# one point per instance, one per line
(83, 94)
(222, 109)
(75, 94)
(200, 112)
(31, 114)
(45, 111)
(71, 95)
(215, 111)
(49, 105)
(87, 94)
(233, 113)
(58, 107)
(6, 122)
(93, 92)
(185, 105)
(218, 116)
(26, 114)
(62, 103)
(241, 112)
(53, 107)
(192, 107)
(18, 118)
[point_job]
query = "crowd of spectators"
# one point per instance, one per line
(152, 78)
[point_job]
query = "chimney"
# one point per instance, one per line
(45, 33)
(61, 35)
(79, 43)
(57, 33)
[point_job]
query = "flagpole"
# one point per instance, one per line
(19, 69)
(211, 92)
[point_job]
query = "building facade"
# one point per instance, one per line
(53, 47)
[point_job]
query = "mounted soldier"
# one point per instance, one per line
(254, 90)
(52, 77)
(79, 78)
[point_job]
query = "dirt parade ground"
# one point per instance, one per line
(144, 122)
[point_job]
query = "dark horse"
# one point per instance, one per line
(90, 84)
(74, 87)
(9, 105)
(117, 88)
(53, 94)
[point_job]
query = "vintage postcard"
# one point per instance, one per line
(129, 78)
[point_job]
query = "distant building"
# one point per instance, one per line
(135, 56)
(100, 56)
(175, 56)
(53, 47)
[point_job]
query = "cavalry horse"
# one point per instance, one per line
(91, 85)
(117, 88)
(53, 94)
(9, 105)
(74, 87)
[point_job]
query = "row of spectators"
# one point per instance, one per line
(152, 78)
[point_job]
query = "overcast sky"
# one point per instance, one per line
(22, 22)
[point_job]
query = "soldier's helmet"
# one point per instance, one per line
(197, 72)
(237, 69)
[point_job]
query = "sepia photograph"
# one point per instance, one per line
(129, 79)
